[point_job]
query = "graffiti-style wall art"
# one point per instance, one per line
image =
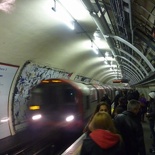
(30, 75)
(79, 78)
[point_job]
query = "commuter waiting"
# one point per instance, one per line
(122, 106)
(106, 99)
(130, 128)
(118, 94)
(103, 140)
(143, 103)
(151, 117)
(99, 108)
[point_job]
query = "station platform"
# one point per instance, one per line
(147, 137)
(74, 149)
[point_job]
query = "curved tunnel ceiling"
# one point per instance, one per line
(129, 30)
(33, 30)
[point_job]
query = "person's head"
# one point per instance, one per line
(102, 106)
(116, 92)
(141, 95)
(152, 95)
(105, 97)
(122, 101)
(133, 106)
(102, 120)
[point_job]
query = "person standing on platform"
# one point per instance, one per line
(151, 117)
(102, 106)
(122, 106)
(118, 94)
(130, 128)
(103, 140)
(106, 99)
(143, 103)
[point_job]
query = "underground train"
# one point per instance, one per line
(64, 103)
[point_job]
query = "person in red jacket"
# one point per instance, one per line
(103, 140)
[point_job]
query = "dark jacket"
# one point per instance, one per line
(129, 126)
(102, 142)
(151, 110)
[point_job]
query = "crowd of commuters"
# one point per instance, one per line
(120, 132)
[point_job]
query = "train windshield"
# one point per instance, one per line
(54, 95)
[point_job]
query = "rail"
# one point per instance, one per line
(74, 149)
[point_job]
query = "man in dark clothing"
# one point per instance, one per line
(122, 106)
(116, 99)
(130, 127)
(151, 117)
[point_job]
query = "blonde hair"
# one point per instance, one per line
(102, 120)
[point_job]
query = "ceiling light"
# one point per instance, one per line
(106, 62)
(95, 50)
(63, 15)
(94, 47)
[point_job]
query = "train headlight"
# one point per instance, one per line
(37, 117)
(69, 118)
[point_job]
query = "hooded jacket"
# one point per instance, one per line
(102, 142)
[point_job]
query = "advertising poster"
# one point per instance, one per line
(7, 73)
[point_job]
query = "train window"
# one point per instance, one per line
(45, 94)
(69, 95)
(52, 95)
(35, 98)
(55, 96)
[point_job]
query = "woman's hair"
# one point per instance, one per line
(122, 101)
(99, 105)
(96, 111)
(102, 120)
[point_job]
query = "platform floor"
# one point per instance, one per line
(147, 136)
(75, 148)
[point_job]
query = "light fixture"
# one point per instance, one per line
(94, 47)
(63, 15)
(106, 54)
(97, 36)
(106, 62)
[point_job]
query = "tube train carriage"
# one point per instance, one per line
(64, 103)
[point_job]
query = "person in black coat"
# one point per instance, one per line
(151, 117)
(103, 140)
(130, 128)
(122, 106)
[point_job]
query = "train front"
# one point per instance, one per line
(53, 104)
